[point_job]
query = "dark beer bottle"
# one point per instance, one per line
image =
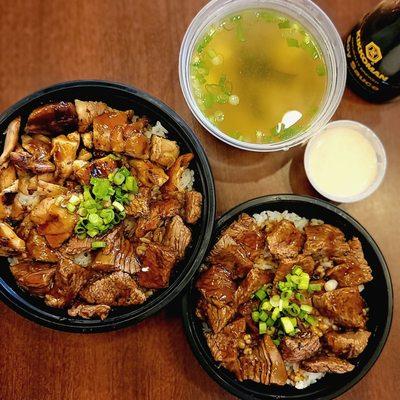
(373, 54)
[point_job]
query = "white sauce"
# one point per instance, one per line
(342, 162)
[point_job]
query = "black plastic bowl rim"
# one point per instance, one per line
(332, 385)
(113, 94)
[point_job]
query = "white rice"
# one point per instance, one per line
(157, 130)
(13, 260)
(308, 377)
(83, 259)
(187, 180)
(266, 217)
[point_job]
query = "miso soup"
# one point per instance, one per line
(259, 76)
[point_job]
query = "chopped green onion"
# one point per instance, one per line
(255, 315)
(287, 294)
(297, 270)
(266, 305)
(293, 309)
(98, 245)
(263, 316)
(260, 294)
(299, 296)
(277, 342)
(270, 322)
(274, 300)
(270, 331)
(262, 328)
(124, 171)
(119, 178)
(275, 314)
(304, 281)
(287, 324)
(315, 287)
(305, 307)
(294, 321)
(82, 236)
(75, 200)
(311, 320)
(71, 207)
(93, 232)
(95, 220)
(82, 212)
(120, 207)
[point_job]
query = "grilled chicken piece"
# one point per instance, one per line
(88, 311)
(148, 173)
(224, 346)
(353, 269)
(253, 281)
(285, 240)
(117, 289)
(46, 189)
(64, 153)
(163, 151)
(108, 131)
(87, 139)
(157, 263)
(5, 208)
(52, 119)
(53, 221)
(7, 177)
(347, 344)
(158, 210)
(10, 243)
(177, 236)
(176, 171)
(228, 253)
(344, 306)
(87, 111)
(35, 277)
(25, 161)
(139, 205)
(98, 168)
(39, 146)
(278, 375)
(217, 286)
(193, 203)
(38, 248)
(246, 232)
(11, 139)
(136, 144)
(325, 241)
(286, 265)
(216, 317)
(327, 364)
(301, 347)
(68, 281)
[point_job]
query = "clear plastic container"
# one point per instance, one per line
(379, 151)
(313, 19)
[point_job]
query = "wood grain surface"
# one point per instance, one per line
(137, 42)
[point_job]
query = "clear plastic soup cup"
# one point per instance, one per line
(380, 156)
(313, 19)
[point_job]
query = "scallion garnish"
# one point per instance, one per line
(98, 245)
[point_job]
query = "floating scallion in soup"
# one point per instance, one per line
(259, 76)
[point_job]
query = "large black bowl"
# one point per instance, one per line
(377, 293)
(121, 97)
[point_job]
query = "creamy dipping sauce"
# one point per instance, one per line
(342, 162)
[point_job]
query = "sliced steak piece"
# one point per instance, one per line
(177, 236)
(253, 281)
(217, 317)
(285, 240)
(278, 374)
(35, 277)
(117, 289)
(352, 269)
(224, 345)
(256, 366)
(68, 281)
(157, 263)
(217, 286)
(228, 253)
(347, 344)
(306, 263)
(247, 233)
(246, 310)
(325, 241)
(88, 311)
(327, 364)
(301, 347)
(105, 258)
(76, 246)
(345, 306)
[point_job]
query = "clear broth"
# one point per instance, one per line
(259, 76)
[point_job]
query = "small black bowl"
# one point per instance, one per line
(118, 96)
(378, 295)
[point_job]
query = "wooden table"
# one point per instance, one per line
(137, 42)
